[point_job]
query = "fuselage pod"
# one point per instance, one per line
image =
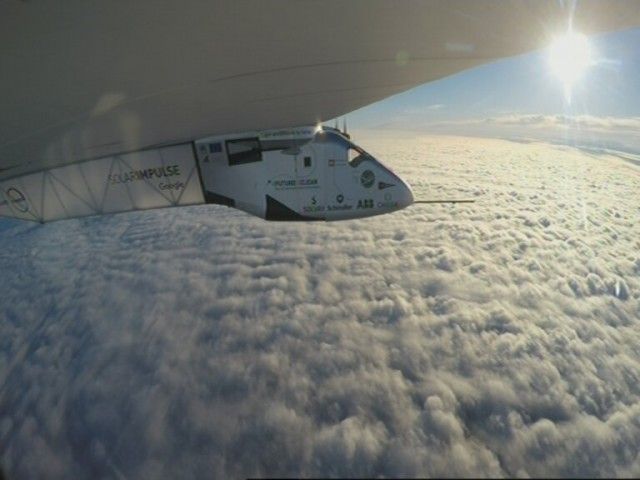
(304, 173)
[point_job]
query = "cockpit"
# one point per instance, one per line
(359, 183)
(355, 154)
(303, 173)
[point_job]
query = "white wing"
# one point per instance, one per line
(82, 79)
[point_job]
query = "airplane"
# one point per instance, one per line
(305, 173)
(115, 106)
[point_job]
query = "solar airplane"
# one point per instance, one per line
(115, 106)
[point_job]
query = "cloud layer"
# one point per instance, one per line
(496, 338)
(568, 121)
(621, 134)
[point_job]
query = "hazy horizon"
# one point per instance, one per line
(522, 98)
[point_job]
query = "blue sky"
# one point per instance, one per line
(521, 85)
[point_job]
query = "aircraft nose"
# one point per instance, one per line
(406, 195)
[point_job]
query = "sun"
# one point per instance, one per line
(569, 58)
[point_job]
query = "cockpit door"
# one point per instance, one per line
(310, 181)
(339, 181)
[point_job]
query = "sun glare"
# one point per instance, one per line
(569, 57)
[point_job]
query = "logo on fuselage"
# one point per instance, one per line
(366, 203)
(171, 186)
(337, 208)
(313, 208)
(146, 174)
(17, 199)
(367, 179)
(300, 183)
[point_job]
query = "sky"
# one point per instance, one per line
(521, 86)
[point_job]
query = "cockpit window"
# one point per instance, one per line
(356, 155)
(244, 150)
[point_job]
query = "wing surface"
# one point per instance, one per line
(154, 178)
(84, 79)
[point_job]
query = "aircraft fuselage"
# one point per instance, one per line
(298, 174)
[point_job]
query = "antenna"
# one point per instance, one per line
(344, 127)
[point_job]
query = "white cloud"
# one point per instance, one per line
(498, 338)
(620, 134)
(567, 121)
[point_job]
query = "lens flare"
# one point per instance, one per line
(569, 57)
